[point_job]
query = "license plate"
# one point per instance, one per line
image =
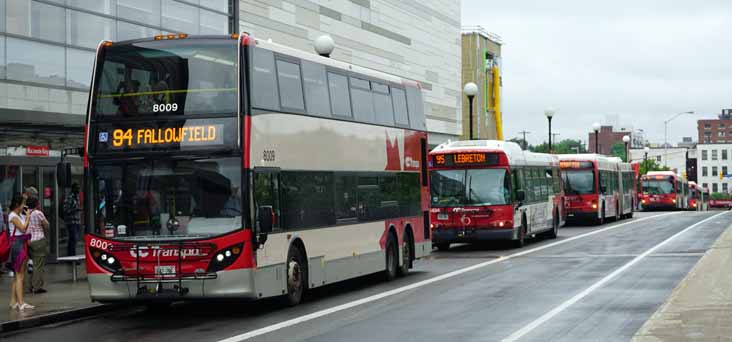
(165, 270)
(442, 216)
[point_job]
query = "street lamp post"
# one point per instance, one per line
(665, 135)
(470, 90)
(626, 140)
(645, 157)
(596, 128)
(549, 112)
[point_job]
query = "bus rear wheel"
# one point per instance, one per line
(296, 276)
(406, 255)
(552, 234)
(392, 258)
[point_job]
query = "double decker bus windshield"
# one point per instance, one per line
(169, 197)
(579, 182)
(175, 77)
(470, 187)
(658, 187)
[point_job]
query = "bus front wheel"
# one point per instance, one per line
(521, 240)
(296, 276)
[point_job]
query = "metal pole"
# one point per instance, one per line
(627, 152)
(470, 116)
(665, 143)
(597, 142)
(550, 134)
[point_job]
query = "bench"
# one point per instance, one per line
(74, 260)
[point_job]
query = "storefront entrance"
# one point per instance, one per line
(18, 173)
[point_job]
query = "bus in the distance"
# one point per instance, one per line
(492, 190)
(230, 167)
(664, 190)
(697, 197)
(597, 187)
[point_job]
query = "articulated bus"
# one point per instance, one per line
(697, 197)
(664, 190)
(492, 190)
(597, 187)
(230, 167)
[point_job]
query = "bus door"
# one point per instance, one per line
(266, 196)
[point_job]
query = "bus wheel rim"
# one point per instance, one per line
(294, 279)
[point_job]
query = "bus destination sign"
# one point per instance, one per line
(465, 159)
(166, 136)
(193, 135)
(575, 164)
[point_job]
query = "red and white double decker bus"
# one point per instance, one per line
(492, 190)
(597, 187)
(664, 190)
(230, 167)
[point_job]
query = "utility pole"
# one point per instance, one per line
(526, 143)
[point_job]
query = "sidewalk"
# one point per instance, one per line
(700, 308)
(64, 299)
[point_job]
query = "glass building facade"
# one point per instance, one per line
(46, 58)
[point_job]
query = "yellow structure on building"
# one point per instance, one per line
(481, 55)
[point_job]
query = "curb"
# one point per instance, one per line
(57, 317)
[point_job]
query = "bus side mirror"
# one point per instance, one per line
(520, 195)
(265, 219)
(63, 174)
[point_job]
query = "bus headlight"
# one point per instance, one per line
(225, 258)
(673, 200)
(105, 260)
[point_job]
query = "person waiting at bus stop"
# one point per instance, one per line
(72, 216)
(38, 246)
(18, 225)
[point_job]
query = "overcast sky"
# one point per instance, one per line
(642, 60)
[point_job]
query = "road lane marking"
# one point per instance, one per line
(325, 312)
(549, 315)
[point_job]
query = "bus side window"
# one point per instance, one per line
(515, 182)
(266, 193)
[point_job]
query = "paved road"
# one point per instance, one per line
(602, 287)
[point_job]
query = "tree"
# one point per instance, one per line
(651, 165)
(566, 146)
(720, 196)
(618, 150)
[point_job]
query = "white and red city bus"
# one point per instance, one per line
(230, 167)
(663, 190)
(697, 197)
(597, 187)
(492, 190)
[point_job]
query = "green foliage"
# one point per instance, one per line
(566, 146)
(651, 165)
(618, 150)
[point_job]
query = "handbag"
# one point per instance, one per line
(5, 244)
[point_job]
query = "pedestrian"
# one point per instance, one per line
(72, 216)
(29, 192)
(18, 225)
(38, 246)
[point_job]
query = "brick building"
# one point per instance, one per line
(608, 137)
(716, 131)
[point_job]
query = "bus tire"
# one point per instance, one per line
(443, 246)
(407, 253)
(601, 220)
(392, 258)
(552, 234)
(521, 239)
(297, 275)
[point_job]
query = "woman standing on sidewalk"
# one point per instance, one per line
(18, 225)
(38, 245)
